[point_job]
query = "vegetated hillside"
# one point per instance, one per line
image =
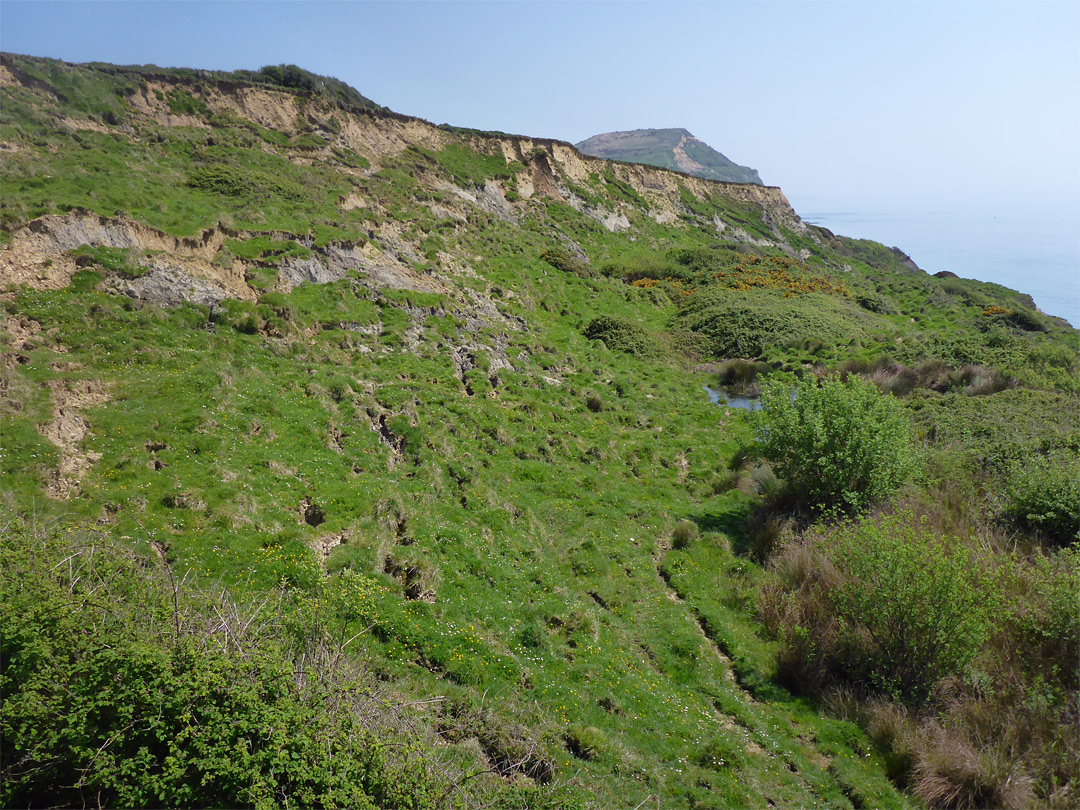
(354, 461)
(671, 149)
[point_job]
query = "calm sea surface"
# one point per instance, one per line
(1031, 248)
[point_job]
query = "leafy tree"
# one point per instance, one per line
(837, 444)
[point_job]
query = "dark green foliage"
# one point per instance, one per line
(740, 376)
(684, 534)
(292, 77)
(585, 742)
(650, 265)
(116, 693)
(234, 181)
(220, 179)
(620, 335)
(562, 260)
(760, 322)
(1044, 494)
(183, 103)
(837, 445)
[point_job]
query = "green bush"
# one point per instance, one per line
(1044, 494)
(621, 335)
(684, 534)
(911, 607)
(753, 323)
(838, 445)
(585, 742)
(116, 692)
(563, 260)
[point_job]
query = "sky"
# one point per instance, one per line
(823, 98)
(842, 104)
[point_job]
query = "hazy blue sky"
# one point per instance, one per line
(826, 99)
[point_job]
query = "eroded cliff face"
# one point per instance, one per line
(40, 253)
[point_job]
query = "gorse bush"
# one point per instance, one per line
(758, 321)
(837, 444)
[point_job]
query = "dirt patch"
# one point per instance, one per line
(87, 124)
(147, 102)
(375, 137)
(324, 545)
(350, 201)
(68, 428)
(24, 332)
(180, 268)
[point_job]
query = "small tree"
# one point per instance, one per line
(837, 445)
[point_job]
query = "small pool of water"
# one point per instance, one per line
(718, 397)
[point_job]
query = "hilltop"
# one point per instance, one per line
(352, 460)
(673, 149)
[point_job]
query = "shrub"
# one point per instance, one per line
(912, 609)
(884, 606)
(117, 692)
(1044, 494)
(838, 445)
(740, 376)
(532, 636)
(753, 322)
(684, 534)
(585, 742)
(563, 260)
(620, 334)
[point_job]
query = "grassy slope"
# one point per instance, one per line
(533, 528)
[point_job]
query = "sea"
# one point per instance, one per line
(1030, 247)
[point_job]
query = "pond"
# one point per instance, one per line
(718, 397)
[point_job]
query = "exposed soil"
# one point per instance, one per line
(68, 428)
